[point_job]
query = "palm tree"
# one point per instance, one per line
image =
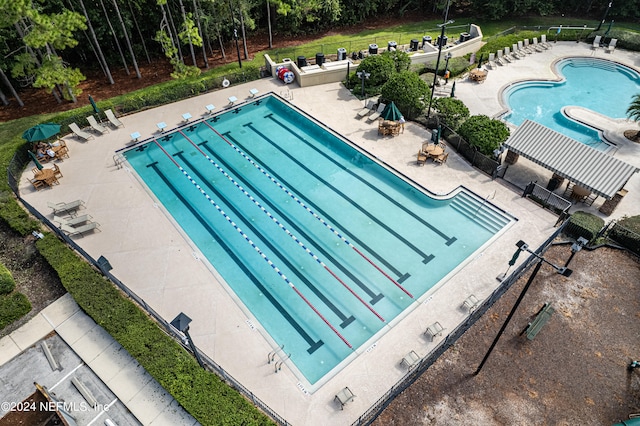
(633, 112)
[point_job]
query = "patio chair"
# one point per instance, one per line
(69, 208)
(515, 54)
(500, 59)
(611, 46)
(377, 113)
(507, 55)
(527, 47)
(522, 49)
(96, 126)
(442, 158)
(410, 360)
(596, 42)
(79, 230)
(56, 171)
(344, 396)
(434, 330)
(491, 62)
(72, 221)
(367, 109)
(422, 158)
(37, 184)
(79, 132)
(470, 303)
(537, 46)
(544, 43)
(113, 119)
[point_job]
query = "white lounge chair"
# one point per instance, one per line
(544, 43)
(500, 59)
(79, 230)
(79, 132)
(377, 113)
(96, 126)
(507, 55)
(611, 46)
(491, 62)
(66, 207)
(367, 109)
(527, 47)
(515, 53)
(113, 119)
(522, 49)
(72, 221)
(596, 42)
(537, 46)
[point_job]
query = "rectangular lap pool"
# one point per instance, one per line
(320, 243)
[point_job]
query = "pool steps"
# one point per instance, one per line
(479, 211)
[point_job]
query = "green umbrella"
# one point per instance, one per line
(35, 160)
(93, 104)
(41, 132)
(391, 112)
(453, 89)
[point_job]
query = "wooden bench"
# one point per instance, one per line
(533, 328)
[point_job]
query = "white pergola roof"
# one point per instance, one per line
(594, 170)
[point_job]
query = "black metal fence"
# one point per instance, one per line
(470, 153)
(547, 199)
(623, 236)
(376, 409)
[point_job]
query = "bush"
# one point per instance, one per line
(7, 284)
(583, 224)
(12, 307)
(627, 233)
(484, 133)
(400, 59)
(380, 68)
(452, 112)
(15, 216)
(408, 91)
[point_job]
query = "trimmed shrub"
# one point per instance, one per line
(583, 224)
(12, 307)
(7, 284)
(627, 233)
(484, 133)
(380, 68)
(400, 59)
(15, 216)
(408, 91)
(452, 112)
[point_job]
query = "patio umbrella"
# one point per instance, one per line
(35, 160)
(93, 104)
(391, 112)
(41, 132)
(453, 89)
(480, 60)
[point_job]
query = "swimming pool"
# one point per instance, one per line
(603, 86)
(319, 243)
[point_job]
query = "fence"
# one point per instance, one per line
(376, 409)
(475, 157)
(16, 165)
(547, 199)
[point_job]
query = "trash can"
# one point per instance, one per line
(413, 45)
(465, 37)
(426, 40)
(302, 61)
(373, 49)
(442, 41)
(342, 54)
(320, 58)
(392, 45)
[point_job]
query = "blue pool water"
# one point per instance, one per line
(600, 85)
(324, 246)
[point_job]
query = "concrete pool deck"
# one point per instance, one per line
(153, 258)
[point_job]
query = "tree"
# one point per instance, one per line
(633, 112)
(408, 91)
(379, 67)
(484, 133)
(451, 112)
(400, 59)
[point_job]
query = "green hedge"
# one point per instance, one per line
(627, 233)
(12, 307)
(7, 284)
(583, 224)
(200, 392)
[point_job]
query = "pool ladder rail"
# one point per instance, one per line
(272, 356)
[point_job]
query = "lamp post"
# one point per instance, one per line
(235, 33)
(605, 16)
(522, 246)
(435, 77)
(363, 75)
(181, 322)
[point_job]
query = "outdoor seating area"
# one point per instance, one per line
(435, 151)
(389, 128)
(478, 75)
(43, 178)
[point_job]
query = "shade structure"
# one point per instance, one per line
(93, 104)
(391, 112)
(41, 132)
(35, 160)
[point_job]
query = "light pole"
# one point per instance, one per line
(363, 75)
(435, 77)
(522, 246)
(605, 16)
(181, 322)
(235, 33)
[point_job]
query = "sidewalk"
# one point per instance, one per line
(119, 371)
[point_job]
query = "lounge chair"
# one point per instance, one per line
(113, 119)
(500, 59)
(96, 126)
(410, 360)
(544, 43)
(161, 126)
(611, 46)
(367, 109)
(69, 208)
(72, 221)
(537, 46)
(491, 62)
(522, 49)
(470, 303)
(344, 396)
(79, 230)
(514, 52)
(596, 42)
(528, 48)
(79, 132)
(377, 113)
(507, 55)
(253, 93)
(210, 108)
(434, 330)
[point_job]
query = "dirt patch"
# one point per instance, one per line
(573, 373)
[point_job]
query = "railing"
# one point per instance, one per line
(470, 153)
(547, 199)
(378, 407)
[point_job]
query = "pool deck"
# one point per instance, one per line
(153, 258)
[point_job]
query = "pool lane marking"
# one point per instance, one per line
(449, 240)
(282, 227)
(346, 320)
(375, 298)
(313, 345)
(303, 205)
(255, 247)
